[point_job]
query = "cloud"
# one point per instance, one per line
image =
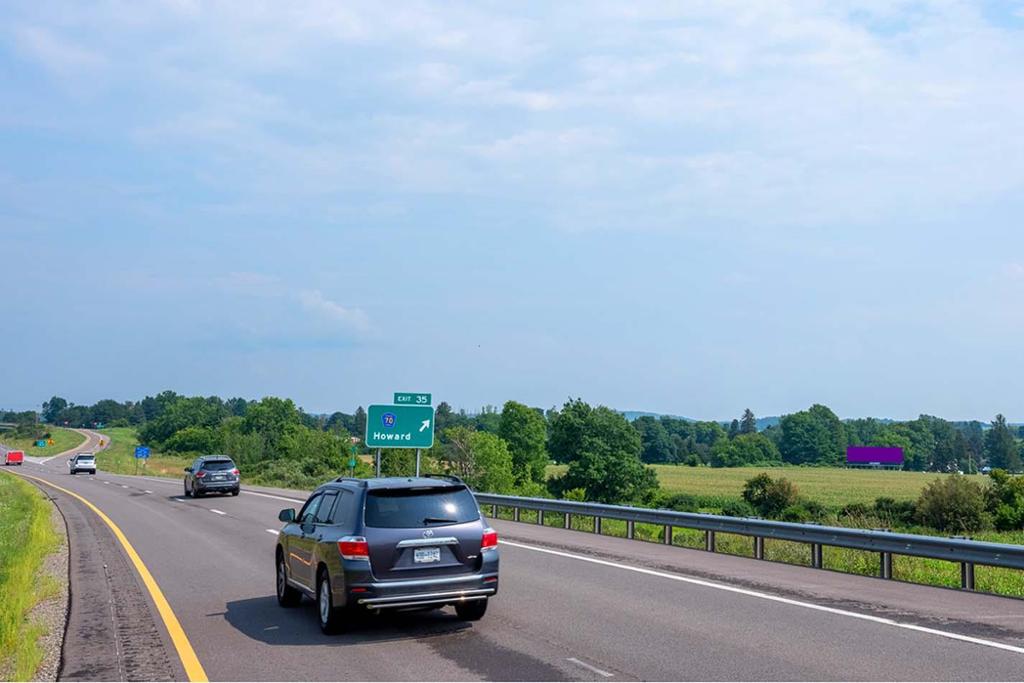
(314, 301)
(57, 54)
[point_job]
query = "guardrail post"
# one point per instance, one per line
(597, 525)
(886, 561)
(709, 541)
(816, 555)
(759, 547)
(630, 529)
(494, 511)
(967, 576)
(667, 535)
(540, 517)
(568, 523)
(515, 514)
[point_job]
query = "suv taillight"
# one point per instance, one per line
(354, 548)
(200, 474)
(490, 539)
(235, 472)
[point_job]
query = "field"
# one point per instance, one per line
(26, 538)
(831, 486)
(119, 458)
(63, 440)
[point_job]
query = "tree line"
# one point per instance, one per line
(507, 450)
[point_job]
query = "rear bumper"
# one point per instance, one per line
(217, 486)
(360, 590)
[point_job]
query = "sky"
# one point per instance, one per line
(688, 208)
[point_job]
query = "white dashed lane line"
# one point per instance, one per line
(217, 512)
(588, 667)
(273, 531)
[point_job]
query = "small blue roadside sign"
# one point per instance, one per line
(142, 451)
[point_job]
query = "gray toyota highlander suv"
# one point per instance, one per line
(389, 543)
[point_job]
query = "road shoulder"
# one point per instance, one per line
(111, 632)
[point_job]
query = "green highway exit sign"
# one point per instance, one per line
(399, 426)
(412, 399)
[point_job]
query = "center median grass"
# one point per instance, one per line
(26, 539)
(63, 440)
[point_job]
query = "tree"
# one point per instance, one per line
(745, 449)
(359, 424)
(480, 458)
(442, 417)
(53, 408)
(748, 423)
(655, 443)
(525, 432)
(578, 420)
(269, 417)
(815, 435)
(1001, 448)
(734, 429)
(607, 476)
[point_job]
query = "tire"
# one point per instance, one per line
(235, 492)
(329, 616)
(473, 610)
(92, 472)
(286, 595)
(188, 494)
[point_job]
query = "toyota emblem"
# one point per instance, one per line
(427, 533)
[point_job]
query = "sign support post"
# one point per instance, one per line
(417, 462)
(378, 463)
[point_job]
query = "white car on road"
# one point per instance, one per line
(83, 462)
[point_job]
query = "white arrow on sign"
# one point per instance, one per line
(426, 423)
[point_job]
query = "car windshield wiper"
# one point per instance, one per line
(438, 520)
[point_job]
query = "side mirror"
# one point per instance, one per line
(286, 515)
(188, 469)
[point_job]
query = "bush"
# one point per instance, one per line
(680, 502)
(953, 504)
(896, 513)
(1006, 501)
(796, 513)
(738, 508)
(769, 496)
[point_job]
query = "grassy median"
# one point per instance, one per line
(119, 457)
(63, 440)
(26, 539)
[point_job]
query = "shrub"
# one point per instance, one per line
(769, 496)
(1006, 501)
(954, 504)
(680, 502)
(894, 512)
(796, 513)
(738, 508)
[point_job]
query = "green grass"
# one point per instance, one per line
(831, 486)
(119, 457)
(26, 538)
(63, 440)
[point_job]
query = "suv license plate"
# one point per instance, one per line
(424, 555)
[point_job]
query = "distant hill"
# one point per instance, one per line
(762, 422)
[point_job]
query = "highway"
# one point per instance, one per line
(572, 606)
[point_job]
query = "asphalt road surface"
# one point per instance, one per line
(571, 607)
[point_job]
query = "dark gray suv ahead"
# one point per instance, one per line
(212, 474)
(389, 543)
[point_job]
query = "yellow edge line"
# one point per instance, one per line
(193, 669)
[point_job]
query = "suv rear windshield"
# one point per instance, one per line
(420, 507)
(216, 465)
(84, 458)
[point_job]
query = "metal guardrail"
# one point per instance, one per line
(966, 552)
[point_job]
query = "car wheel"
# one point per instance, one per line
(188, 494)
(473, 610)
(330, 616)
(286, 595)
(235, 492)
(92, 472)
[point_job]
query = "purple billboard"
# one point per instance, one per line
(870, 455)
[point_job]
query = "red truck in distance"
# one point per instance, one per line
(14, 458)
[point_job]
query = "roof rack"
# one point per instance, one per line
(449, 477)
(357, 480)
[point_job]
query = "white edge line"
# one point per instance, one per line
(776, 598)
(148, 491)
(588, 667)
(268, 495)
(273, 531)
(217, 512)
